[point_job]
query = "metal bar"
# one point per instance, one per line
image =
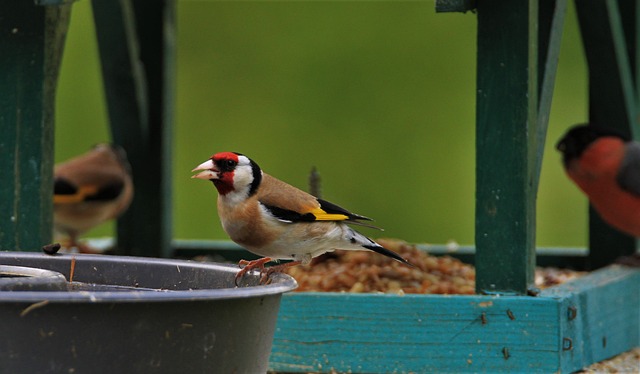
(156, 28)
(228, 251)
(607, 105)
(622, 59)
(31, 45)
(443, 6)
(137, 54)
(506, 117)
(551, 21)
(636, 55)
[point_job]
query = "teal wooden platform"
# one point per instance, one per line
(558, 331)
(499, 330)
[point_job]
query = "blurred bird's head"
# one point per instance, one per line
(573, 144)
(116, 151)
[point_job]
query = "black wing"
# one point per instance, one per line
(291, 216)
(73, 193)
(629, 174)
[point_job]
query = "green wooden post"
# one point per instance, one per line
(506, 118)
(137, 54)
(609, 42)
(31, 45)
(518, 48)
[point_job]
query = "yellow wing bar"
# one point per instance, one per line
(321, 215)
(77, 197)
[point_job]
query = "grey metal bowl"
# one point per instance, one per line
(130, 314)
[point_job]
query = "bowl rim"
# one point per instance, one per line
(280, 283)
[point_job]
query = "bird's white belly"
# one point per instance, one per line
(304, 241)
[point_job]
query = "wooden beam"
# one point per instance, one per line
(565, 329)
(604, 315)
(506, 120)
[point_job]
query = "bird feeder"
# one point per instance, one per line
(506, 327)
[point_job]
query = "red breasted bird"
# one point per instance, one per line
(274, 219)
(90, 189)
(606, 167)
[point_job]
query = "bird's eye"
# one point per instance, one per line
(226, 164)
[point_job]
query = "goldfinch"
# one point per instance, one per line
(89, 190)
(276, 220)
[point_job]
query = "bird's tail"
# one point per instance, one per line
(359, 239)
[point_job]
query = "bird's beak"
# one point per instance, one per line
(210, 171)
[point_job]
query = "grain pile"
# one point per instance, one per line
(627, 362)
(361, 271)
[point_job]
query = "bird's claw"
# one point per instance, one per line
(255, 264)
(72, 245)
(265, 273)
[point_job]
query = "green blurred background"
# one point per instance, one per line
(379, 96)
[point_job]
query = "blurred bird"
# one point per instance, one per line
(274, 219)
(606, 167)
(90, 189)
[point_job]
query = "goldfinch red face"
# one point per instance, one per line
(230, 172)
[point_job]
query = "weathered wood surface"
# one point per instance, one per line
(376, 333)
(606, 305)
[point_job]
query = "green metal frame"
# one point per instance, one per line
(511, 74)
(515, 86)
(31, 47)
(610, 44)
(139, 81)
(137, 54)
